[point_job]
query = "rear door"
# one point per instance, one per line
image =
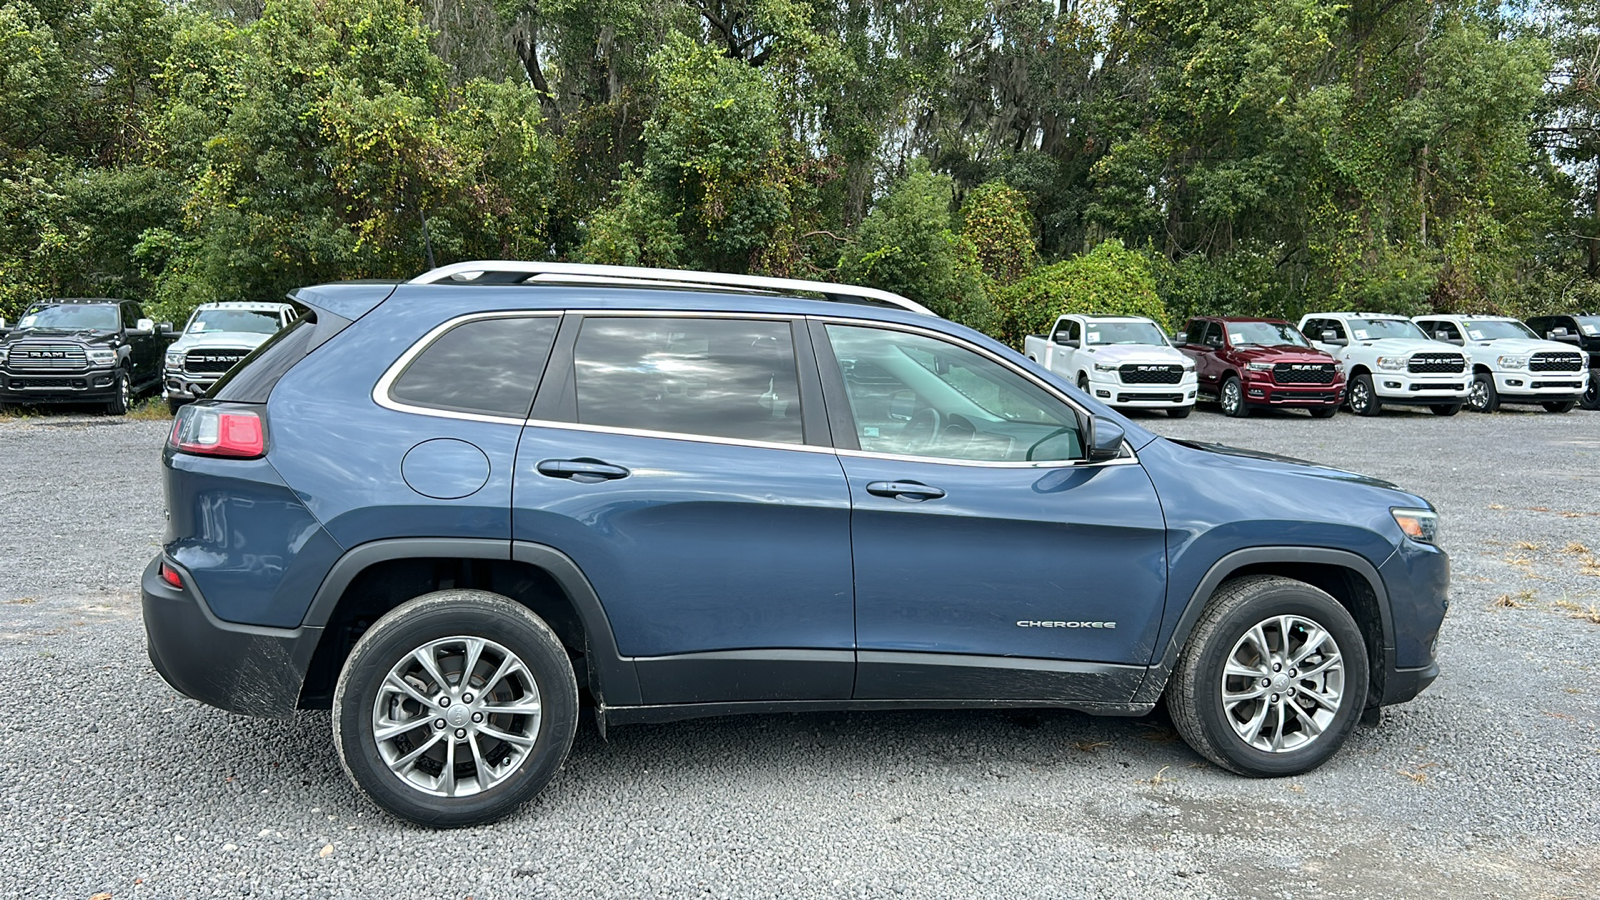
(989, 564)
(683, 462)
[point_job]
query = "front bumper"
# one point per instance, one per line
(1539, 387)
(1113, 392)
(1403, 387)
(244, 669)
(1267, 393)
(82, 386)
(1417, 579)
(178, 386)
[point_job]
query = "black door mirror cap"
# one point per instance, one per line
(1102, 438)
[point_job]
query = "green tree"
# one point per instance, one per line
(1108, 280)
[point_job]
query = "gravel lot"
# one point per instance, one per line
(1486, 785)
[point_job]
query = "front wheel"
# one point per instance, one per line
(455, 708)
(121, 394)
(1559, 406)
(1591, 392)
(1271, 680)
(1363, 398)
(1231, 398)
(1445, 409)
(1483, 396)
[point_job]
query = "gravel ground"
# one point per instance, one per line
(1486, 785)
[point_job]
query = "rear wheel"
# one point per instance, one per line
(1272, 679)
(1445, 409)
(1559, 406)
(1363, 399)
(1483, 396)
(1231, 398)
(455, 708)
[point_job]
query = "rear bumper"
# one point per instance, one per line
(244, 669)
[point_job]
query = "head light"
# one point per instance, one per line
(1106, 367)
(1260, 366)
(1513, 362)
(175, 358)
(101, 356)
(1392, 363)
(1418, 524)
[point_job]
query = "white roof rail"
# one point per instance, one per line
(496, 271)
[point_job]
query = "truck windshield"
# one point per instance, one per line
(1494, 329)
(1378, 329)
(72, 317)
(1589, 325)
(1264, 334)
(1124, 333)
(254, 321)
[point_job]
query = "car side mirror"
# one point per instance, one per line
(1102, 439)
(144, 326)
(1560, 334)
(1214, 343)
(1332, 337)
(1454, 340)
(902, 405)
(1180, 337)
(1063, 340)
(163, 327)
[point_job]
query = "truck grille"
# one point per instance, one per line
(43, 384)
(1303, 373)
(1555, 362)
(1151, 374)
(1434, 363)
(39, 356)
(212, 362)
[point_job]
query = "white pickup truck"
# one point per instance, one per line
(217, 337)
(1122, 361)
(1388, 360)
(1511, 364)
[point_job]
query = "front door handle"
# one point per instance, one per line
(910, 491)
(587, 471)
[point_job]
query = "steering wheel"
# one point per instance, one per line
(1035, 445)
(925, 418)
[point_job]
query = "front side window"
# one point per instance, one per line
(919, 396)
(726, 378)
(485, 367)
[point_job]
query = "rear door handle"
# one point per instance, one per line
(910, 491)
(587, 471)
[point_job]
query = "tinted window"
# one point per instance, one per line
(485, 366)
(919, 396)
(71, 317)
(729, 378)
(130, 315)
(254, 321)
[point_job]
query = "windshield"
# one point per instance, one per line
(1495, 329)
(1589, 325)
(1264, 334)
(1124, 333)
(255, 321)
(1378, 329)
(72, 318)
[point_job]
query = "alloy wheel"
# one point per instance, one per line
(1283, 683)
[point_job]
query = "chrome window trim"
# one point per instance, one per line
(1128, 457)
(380, 391)
(674, 436)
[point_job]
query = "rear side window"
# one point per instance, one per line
(254, 377)
(728, 378)
(488, 366)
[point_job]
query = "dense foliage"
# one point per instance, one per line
(998, 161)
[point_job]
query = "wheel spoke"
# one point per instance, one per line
(1230, 699)
(1329, 702)
(1312, 729)
(514, 709)
(1252, 729)
(478, 764)
(404, 763)
(474, 652)
(388, 731)
(397, 683)
(447, 778)
(424, 657)
(1276, 742)
(1316, 638)
(508, 737)
(1234, 668)
(507, 666)
(1258, 637)
(1329, 663)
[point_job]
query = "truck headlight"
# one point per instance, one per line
(1260, 366)
(1188, 365)
(1418, 524)
(1106, 367)
(1392, 363)
(101, 356)
(174, 359)
(1513, 362)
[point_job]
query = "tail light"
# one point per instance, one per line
(219, 431)
(171, 576)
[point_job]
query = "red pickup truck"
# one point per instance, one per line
(1244, 362)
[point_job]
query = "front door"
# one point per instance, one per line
(682, 465)
(989, 562)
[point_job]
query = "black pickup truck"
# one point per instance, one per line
(82, 350)
(1583, 332)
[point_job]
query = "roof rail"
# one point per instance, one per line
(503, 271)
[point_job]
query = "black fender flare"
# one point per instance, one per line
(612, 678)
(1156, 679)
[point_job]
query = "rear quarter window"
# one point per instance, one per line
(484, 366)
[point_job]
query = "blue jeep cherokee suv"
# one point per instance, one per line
(459, 509)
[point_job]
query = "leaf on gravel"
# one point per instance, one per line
(103, 895)
(326, 851)
(1575, 547)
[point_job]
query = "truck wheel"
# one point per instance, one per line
(455, 708)
(1482, 397)
(1271, 680)
(121, 395)
(1559, 406)
(1231, 398)
(1445, 409)
(1323, 412)
(1363, 399)
(1083, 382)
(1591, 393)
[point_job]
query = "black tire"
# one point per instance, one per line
(1323, 412)
(1483, 397)
(443, 616)
(1194, 695)
(121, 394)
(1591, 392)
(1559, 406)
(1230, 396)
(1445, 409)
(1179, 412)
(1363, 399)
(1083, 382)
